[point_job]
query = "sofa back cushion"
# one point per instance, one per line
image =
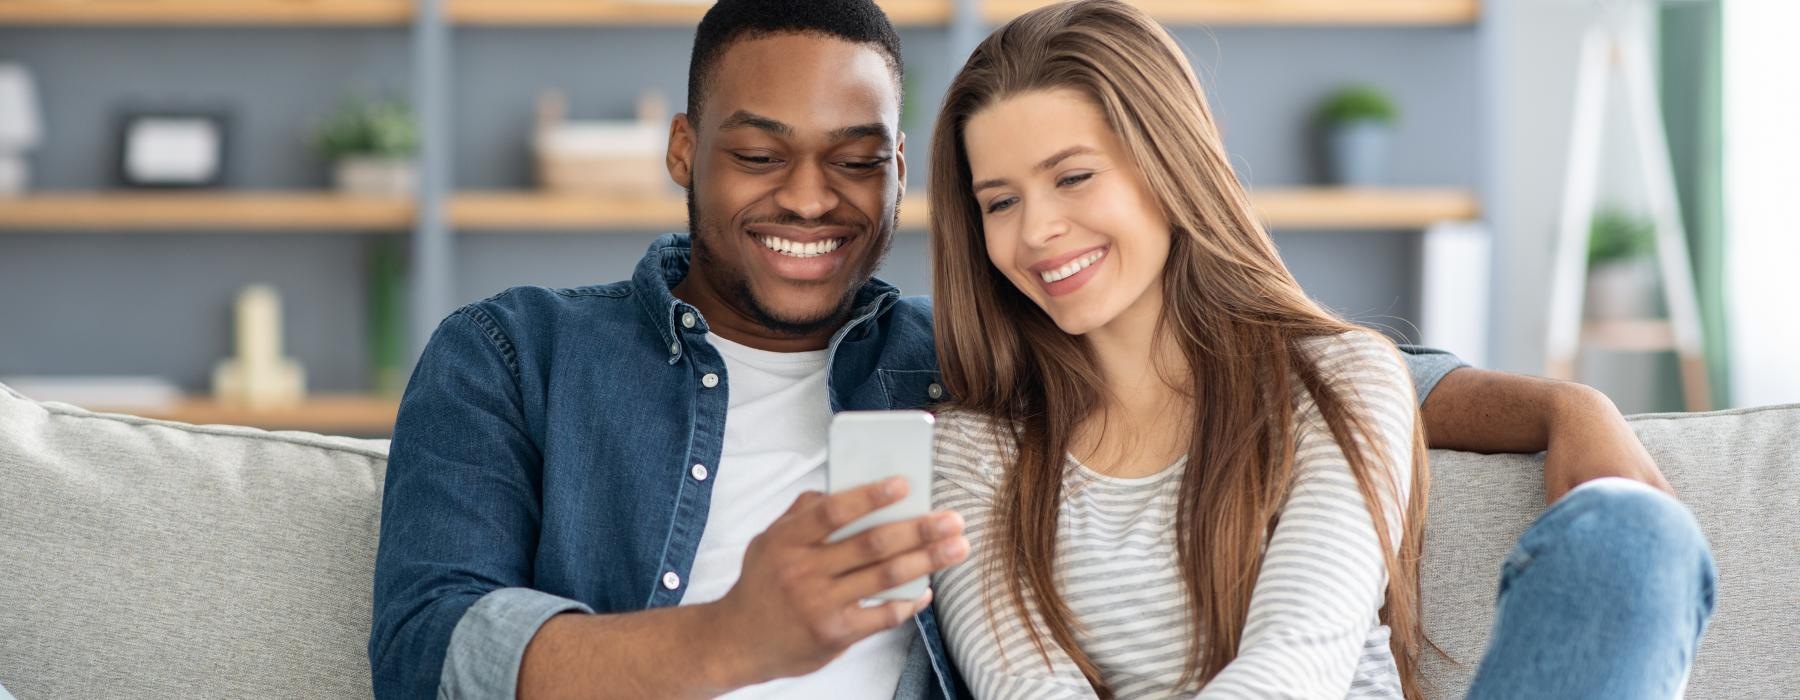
(149, 559)
(1739, 471)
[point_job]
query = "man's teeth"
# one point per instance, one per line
(801, 250)
(1073, 266)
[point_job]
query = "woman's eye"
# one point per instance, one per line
(1075, 179)
(1000, 205)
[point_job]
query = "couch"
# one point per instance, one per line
(141, 558)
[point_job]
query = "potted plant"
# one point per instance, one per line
(371, 144)
(1622, 280)
(1357, 123)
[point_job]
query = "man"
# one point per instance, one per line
(612, 490)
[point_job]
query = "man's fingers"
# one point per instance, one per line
(880, 576)
(815, 520)
(886, 541)
(863, 622)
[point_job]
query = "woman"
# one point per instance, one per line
(1179, 473)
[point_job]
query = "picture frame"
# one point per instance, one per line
(173, 148)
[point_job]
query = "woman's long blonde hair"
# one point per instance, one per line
(1237, 315)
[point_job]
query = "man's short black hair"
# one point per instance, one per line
(855, 21)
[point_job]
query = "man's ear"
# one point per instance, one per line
(680, 158)
(900, 161)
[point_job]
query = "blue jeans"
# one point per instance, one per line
(1605, 596)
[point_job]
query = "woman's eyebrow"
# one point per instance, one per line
(1043, 165)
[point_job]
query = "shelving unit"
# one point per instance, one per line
(440, 214)
(324, 413)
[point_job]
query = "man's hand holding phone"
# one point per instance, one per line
(798, 603)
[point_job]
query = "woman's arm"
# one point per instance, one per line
(1323, 578)
(995, 656)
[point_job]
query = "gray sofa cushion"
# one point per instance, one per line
(147, 559)
(1739, 471)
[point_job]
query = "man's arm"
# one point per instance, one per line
(796, 607)
(1579, 428)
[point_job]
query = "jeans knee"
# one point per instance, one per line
(1636, 529)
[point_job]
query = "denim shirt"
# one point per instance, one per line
(542, 463)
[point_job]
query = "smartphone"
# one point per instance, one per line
(868, 446)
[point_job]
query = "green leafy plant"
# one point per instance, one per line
(364, 127)
(1616, 234)
(1358, 103)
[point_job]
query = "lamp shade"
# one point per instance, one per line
(19, 126)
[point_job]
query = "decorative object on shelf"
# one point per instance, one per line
(614, 157)
(371, 144)
(258, 376)
(387, 316)
(20, 127)
(1621, 281)
(177, 148)
(1356, 125)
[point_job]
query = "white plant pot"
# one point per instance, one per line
(386, 177)
(1622, 290)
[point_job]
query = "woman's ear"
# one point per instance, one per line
(680, 157)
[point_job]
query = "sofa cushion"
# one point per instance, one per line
(1739, 471)
(153, 559)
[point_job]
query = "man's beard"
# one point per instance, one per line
(732, 286)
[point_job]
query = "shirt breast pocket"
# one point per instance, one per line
(911, 388)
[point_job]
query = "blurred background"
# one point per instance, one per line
(255, 211)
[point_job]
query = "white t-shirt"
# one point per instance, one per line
(775, 426)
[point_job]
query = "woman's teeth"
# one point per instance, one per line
(801, 250)
(1073, 267)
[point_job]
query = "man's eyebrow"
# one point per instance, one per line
(863, 131)
(749, 120)
(1045, 164)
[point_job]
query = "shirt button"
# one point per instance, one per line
(934, 391)
(671, 580)
(687, 319)
(674, 348)
(709, 380)
(699, 472)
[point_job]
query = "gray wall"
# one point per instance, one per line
(159, 303)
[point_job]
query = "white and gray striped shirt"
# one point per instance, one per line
(1312, 630)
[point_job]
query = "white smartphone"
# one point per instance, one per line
(868, 446)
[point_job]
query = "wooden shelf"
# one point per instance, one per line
(1280, 12)
(1636, 335)
(205, 211)
(527, 210)
(1344, 208)
(330, 414)
(535, 211)
(206, 12)
(643, 13)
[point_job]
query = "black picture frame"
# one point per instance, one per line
(133, 124)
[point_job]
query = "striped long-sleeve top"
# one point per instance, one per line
(1313, 629)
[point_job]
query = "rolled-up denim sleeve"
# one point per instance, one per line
(489, 641)
(1428, 367)
(459, 522)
